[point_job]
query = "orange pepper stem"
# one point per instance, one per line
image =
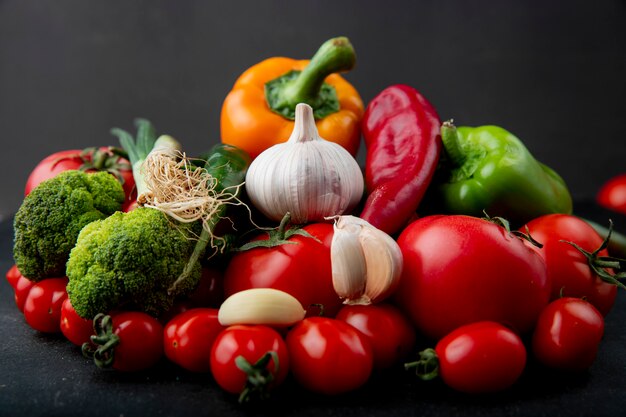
(307, 86)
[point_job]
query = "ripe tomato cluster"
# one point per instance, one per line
(484, 300)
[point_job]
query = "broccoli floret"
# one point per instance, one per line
(48, 222)
(131, 260)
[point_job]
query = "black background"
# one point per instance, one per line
(552, 72)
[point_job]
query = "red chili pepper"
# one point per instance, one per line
(402, 135)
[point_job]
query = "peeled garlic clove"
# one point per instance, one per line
(366, 262)
(307, 176)
(266, 306)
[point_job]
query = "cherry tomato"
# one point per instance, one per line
(21, 290)
(12, 275)
(189, 337)
(390, 332)
(568, 269)
(140, 341)
(329, 356)
(75, 328)
(612, 194)
(461, 269)
(130, 205)
(20, 284)
(42, 308)
(65, 160)
(568, 334)
(249, 360)
(301, 268)
(210, 290)
(480, 357)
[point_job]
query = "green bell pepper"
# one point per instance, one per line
(488, 170)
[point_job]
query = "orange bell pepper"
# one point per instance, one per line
(259, 110)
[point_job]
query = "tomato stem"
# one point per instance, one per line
(427, 367)
(104, 340)
(259, 377)
(501, 221)
(600, 264)
(278, 236)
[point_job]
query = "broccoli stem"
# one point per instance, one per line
(205, 237)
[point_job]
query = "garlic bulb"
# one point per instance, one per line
(308, 176)
(366, 262)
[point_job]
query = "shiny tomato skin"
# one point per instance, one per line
(42, 308)
(329, 356)
(568, 269)
(13, 275)
(21, 286)
(568, 334)
(251, 342)
(21, 290)
(461, 269)
(52, 165)
(481, 357)
(189, 337)
(612, 194)
(75, 328)
(210, 290)
(141, 341)
(301, 268)
(391, 334)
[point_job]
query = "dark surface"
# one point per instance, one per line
(43, 375)
(552, 72)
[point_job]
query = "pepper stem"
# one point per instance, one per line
(335, 55)
(307, 86)
(451, 144)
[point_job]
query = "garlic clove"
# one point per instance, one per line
(366, 262)
(266, 306)
(383, 263)
(347, 262)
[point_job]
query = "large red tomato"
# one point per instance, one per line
(300, 267)
(90, 159)
(568, 269)
(461, 269)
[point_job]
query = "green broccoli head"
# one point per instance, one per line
(130, 260)
(48, 222)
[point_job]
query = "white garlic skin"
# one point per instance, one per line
(307, 176)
